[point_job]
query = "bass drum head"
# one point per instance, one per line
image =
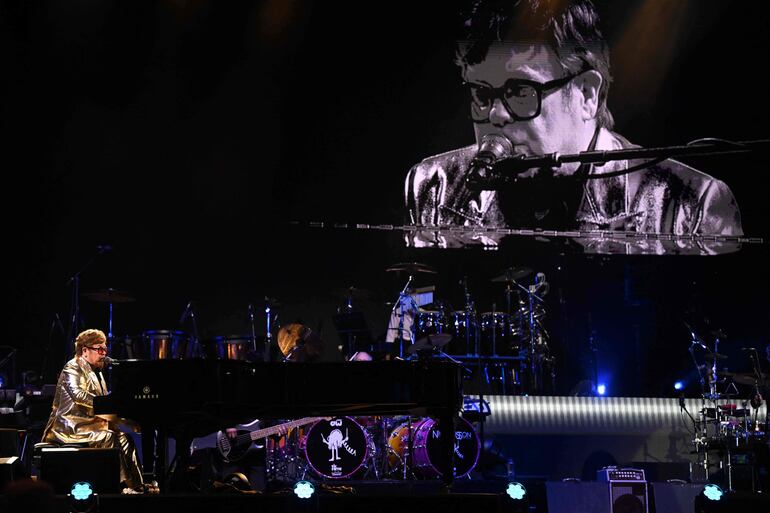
(467, 446)
(427, 458)
(336, 448)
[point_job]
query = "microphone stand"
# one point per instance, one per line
(507, 169)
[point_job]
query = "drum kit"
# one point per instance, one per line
(164, 344)
(729, 430)
(509, 345)
(372, 448)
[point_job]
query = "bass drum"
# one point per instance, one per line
(427, 459)
(337, 448)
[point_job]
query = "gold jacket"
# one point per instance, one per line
(72, 418)
(667, 198)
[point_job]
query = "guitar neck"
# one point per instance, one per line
(274, 430)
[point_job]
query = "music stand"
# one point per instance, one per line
(352, 327)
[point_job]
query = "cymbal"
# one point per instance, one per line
(352, 292)
(293, 335)
(512, 274)
(109, 296)
(412, 268)
(429, 342)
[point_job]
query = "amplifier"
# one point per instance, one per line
(627, 487)
(619, 474)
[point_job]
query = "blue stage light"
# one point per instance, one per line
(304, 489)
(601, 389)
(81, 491)
(713, 492)
(678, 385)
(516, 491)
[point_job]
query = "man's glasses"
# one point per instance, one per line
(100, 350)
(522, 99)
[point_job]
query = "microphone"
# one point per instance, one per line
(109, 361)
(492, 148)
(185, 313)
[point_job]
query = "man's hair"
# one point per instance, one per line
(569, 27)
(89, 338)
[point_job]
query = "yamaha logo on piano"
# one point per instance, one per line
(146, 394)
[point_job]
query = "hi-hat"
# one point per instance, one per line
(429, 342)
(109, 296)
(412, 268)
(513, 274)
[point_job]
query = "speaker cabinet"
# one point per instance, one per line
(628, 497)
(675, 498)
(64, 466)
(577, 497)
(597, 497)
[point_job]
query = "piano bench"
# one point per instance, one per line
(64, 465)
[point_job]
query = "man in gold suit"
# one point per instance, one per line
(72, 416)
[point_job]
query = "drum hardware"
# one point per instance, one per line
(728, 426)
(74, 281)
(270, 319)
(189, 312)
(253, 327)
(401, 308)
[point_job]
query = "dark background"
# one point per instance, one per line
(187, 134)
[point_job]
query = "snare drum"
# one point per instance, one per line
(427, 458)
(161, 345)
(337, 448)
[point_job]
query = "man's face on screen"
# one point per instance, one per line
(506, 90)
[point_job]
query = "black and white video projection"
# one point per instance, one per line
(581, 181)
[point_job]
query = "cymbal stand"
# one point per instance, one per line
(535, 370)
(253, 328)
(74, 280)
(402, 296)
(268, 327)
(470, 320)
(700, 439)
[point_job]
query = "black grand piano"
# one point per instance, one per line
(184, 399)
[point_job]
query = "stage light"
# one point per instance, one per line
(304, 489)
(601, 389)
(678, 385)
(516, 491)
(83, 499)
(713, 492)
(81, 491)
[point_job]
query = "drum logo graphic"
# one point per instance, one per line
(336, 448)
